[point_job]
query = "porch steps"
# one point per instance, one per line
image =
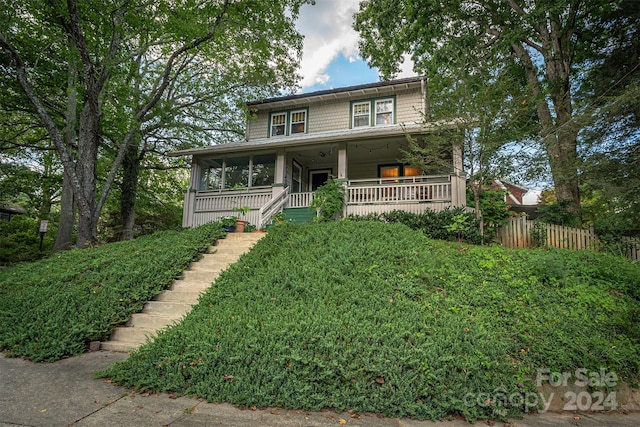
(170, 306)
(300, 215)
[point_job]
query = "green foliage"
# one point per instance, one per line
(329, 200)
(54, 307)
(436, 225)
(20, 240)
(494, 209)
(228, 221)
(279, 217)
(375, 317)
(539, 234)
(243, 210)
(557, 213)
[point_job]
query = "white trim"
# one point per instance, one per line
(375, 111)
(284, 125)
(291, 122)
(295, 165)
(362, 115)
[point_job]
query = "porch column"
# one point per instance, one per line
(278, 179)
(458, 184)
(188, 211)
(343, 173)
(342, 161)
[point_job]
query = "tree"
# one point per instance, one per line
(479, 109)
(120, 61)
(549, 42)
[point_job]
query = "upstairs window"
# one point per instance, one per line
(384, 112)
(298, 122)
(361, 114)
(286, 123)
(374, 112)
(278, 124)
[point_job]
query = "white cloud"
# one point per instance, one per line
(328, 31)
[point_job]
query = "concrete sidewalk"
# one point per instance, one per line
(65, 393)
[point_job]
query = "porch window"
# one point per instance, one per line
(392, 171)
(212, 175)
(298, 122)
(263, 170)
(412, 171)
(397, 170)
(361, 114)
(278, 124)
(384, 112)
(236, 172)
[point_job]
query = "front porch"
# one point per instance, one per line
(362, 196)
(273, 174)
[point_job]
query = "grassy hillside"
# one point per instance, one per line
(374, 317)
(55, 307)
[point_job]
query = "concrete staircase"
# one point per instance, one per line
(171, 305)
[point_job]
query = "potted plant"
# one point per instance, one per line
(240, 223)
(228, 223)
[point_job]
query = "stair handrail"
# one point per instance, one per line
(272, 206)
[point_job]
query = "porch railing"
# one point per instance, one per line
(300, 200)
(272, 206)
(225, 201)
(212, 205)
(362, 196)
(398, 190)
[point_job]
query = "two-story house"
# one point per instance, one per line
(295, 143)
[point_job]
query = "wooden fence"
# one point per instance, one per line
(520, 232)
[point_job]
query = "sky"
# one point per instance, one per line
(330, 56)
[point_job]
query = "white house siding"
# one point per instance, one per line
(333, 115)
(363, 169)
(409, 104)
(328, 116)
(258, 127)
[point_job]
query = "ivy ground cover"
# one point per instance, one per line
(54, 307)
(375, 317)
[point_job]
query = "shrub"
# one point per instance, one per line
(373, 317)
(20, 240)
(329, 200)
(436, 225)
(53, 307)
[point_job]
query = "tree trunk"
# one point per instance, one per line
(560, 137)
(128, 191)
(86, 171)
(64, 238)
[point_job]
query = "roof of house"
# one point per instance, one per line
(304, 139)
(12, 209)
(337, 93)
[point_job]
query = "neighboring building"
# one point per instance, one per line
(295, 143)
(7, 211)
(514, 193)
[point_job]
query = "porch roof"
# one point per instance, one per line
(305, 139)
